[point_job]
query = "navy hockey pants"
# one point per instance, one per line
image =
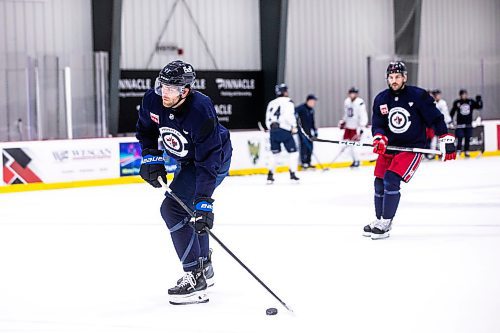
(463, 134)
(306, 148)
(189, 245)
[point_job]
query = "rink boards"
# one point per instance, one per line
(37, 165)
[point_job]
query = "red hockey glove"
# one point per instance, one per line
(447, 147)
(379, 143)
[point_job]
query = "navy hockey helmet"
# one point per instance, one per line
(177, 73)
(396, 67)
(353, 90)
(280, 89)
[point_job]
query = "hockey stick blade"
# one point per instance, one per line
(191, 213)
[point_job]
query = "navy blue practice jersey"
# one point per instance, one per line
(464, 109)
(404, 116)
(190, 133)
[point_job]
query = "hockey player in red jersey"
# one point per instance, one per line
(401, 115)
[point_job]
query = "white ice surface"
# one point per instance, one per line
(100, 259)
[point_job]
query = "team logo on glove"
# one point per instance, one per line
(399, 120)
(174, 141)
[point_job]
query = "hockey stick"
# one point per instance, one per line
(191, 213)
(319, 163)
(299, 126)
(339, 153)
(360, 144)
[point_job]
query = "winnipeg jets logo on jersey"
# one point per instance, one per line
(174, 141)
(465, 109)
(399, 120)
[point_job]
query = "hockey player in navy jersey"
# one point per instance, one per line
(401, 114)
(186, 122)
(464, 108)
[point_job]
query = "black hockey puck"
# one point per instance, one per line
(271, 311)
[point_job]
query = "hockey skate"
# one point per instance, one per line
(381, 228)
(354, 164)
(192, 289)
(208, 271)
(367, 230)
(293, 176)
(270, 177)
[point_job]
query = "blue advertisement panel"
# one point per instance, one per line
(130, 159)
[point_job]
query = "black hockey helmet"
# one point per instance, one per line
(280, 89)
(462, 91)
(177, 73)
(396, 67)
(353, 90)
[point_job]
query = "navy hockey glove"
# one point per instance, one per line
(447, 147)
(379, 144)
(153, 166)
(203, 216)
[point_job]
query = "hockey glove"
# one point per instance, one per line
(447, 147)
(342, 124)
(203, 216)
(379, 143)
(153, 166)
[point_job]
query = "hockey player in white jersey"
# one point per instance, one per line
(432, 139)
(354, 121)
(442, 106)
(282, 124)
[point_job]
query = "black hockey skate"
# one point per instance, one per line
(270, 177)
(293, 176)
(207, 270)
(354, 164)
(192, 289)
(381, 228)
(367, 229)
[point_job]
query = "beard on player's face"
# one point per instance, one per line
(169, 101)
(172, 97)
(396, 81)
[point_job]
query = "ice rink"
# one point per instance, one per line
(100, 259)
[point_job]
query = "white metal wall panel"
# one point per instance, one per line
(328, 42)
(229, 29)
(46, 26)
(56, 33)
(460, 48)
